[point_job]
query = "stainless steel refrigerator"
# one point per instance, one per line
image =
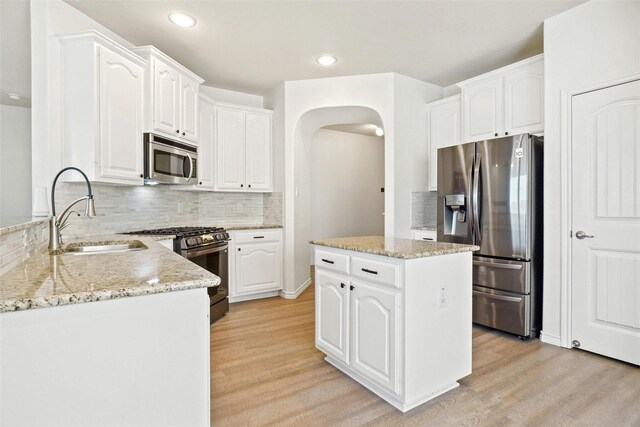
(490, 195)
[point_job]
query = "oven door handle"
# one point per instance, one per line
(190, 167)
(206, 251)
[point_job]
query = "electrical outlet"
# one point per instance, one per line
(180, 207)
(239, 207)
(442, 297)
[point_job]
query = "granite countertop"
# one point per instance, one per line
(425, 228)
(395, 248)
(46, 280)
(251, 227)
(155, 237)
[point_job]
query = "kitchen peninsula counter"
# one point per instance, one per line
(46, 280)
(118, 338)
(395, 314)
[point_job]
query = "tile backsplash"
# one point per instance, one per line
(122, 209)
(424, 209)
(19, 243)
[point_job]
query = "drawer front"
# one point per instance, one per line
(257, 236)
(502, 310)
(503, 275)
(428, 235)
(332, 261)
(376, 271)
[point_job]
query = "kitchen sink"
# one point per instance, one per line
(104, 247)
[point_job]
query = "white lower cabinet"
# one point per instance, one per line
(255, 264)
(400, 327)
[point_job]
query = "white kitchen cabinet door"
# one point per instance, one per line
(230, 149)
(524, 99)
(258, 268)
(482, 109)
(445, 129)
(258, 151)
(121, 108)
(332, 314)
(166, 94)
(374, 312)
(189, 109)
(205, 147)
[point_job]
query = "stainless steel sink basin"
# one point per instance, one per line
(105, 247)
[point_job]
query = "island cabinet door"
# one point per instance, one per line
(332, 315)
(374, 335)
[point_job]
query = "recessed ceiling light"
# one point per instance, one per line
(379, 131)
(326, 60)
(14, 96)
(181, 19)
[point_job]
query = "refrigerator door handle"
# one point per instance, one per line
(476, 190)
(498, 265)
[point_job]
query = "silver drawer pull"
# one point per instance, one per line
(496, 265)
(498, 297)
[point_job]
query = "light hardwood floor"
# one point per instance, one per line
(265, 370)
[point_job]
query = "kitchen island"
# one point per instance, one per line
(395, 314)
(119, 338)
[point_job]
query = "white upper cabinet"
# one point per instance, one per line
(102, 98)
(171, 96)
(507, 101)
(243, 149)
(206, 161)
(445, 128)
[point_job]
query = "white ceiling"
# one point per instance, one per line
(251, 46)
(15, 52)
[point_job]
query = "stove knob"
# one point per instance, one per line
(189, 241)
(199, 240)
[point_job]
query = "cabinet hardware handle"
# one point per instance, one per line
(427, 238)
(200, 182)
(366, 270)
(342, 285)
(141, 176)
(239, 249)
(258, 237)
(241, 185)
(327, 261)
(177, 130)
(352, 287)
(183, 134)
(496, 134)
(506, 133)
(249, 185)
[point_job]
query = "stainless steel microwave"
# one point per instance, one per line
(169, 162)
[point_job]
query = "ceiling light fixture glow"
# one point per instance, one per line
(379, 131)
(181, 19)
(326, 60)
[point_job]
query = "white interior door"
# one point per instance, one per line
(606, 207)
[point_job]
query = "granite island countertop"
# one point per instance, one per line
(393, 247)
(46, 280)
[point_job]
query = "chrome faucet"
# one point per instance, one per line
(57, 224)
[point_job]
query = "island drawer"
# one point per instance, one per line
(374, 270)
(257, 236)
(332, 261)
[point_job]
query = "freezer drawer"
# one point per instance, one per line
(502, 310)
(502, 275)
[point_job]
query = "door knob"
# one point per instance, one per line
(582, 235)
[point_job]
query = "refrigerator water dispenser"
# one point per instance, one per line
(455, 216)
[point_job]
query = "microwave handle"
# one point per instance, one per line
(190, 167)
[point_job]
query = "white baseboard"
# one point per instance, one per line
(550, 339)
(258, 295)
(297, 292)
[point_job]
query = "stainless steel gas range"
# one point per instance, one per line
(208, 247)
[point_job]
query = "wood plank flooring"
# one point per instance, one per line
(265, 370)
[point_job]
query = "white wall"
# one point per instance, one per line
(347, 173)
(590, 46)
(15, 165)
(386, 95)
